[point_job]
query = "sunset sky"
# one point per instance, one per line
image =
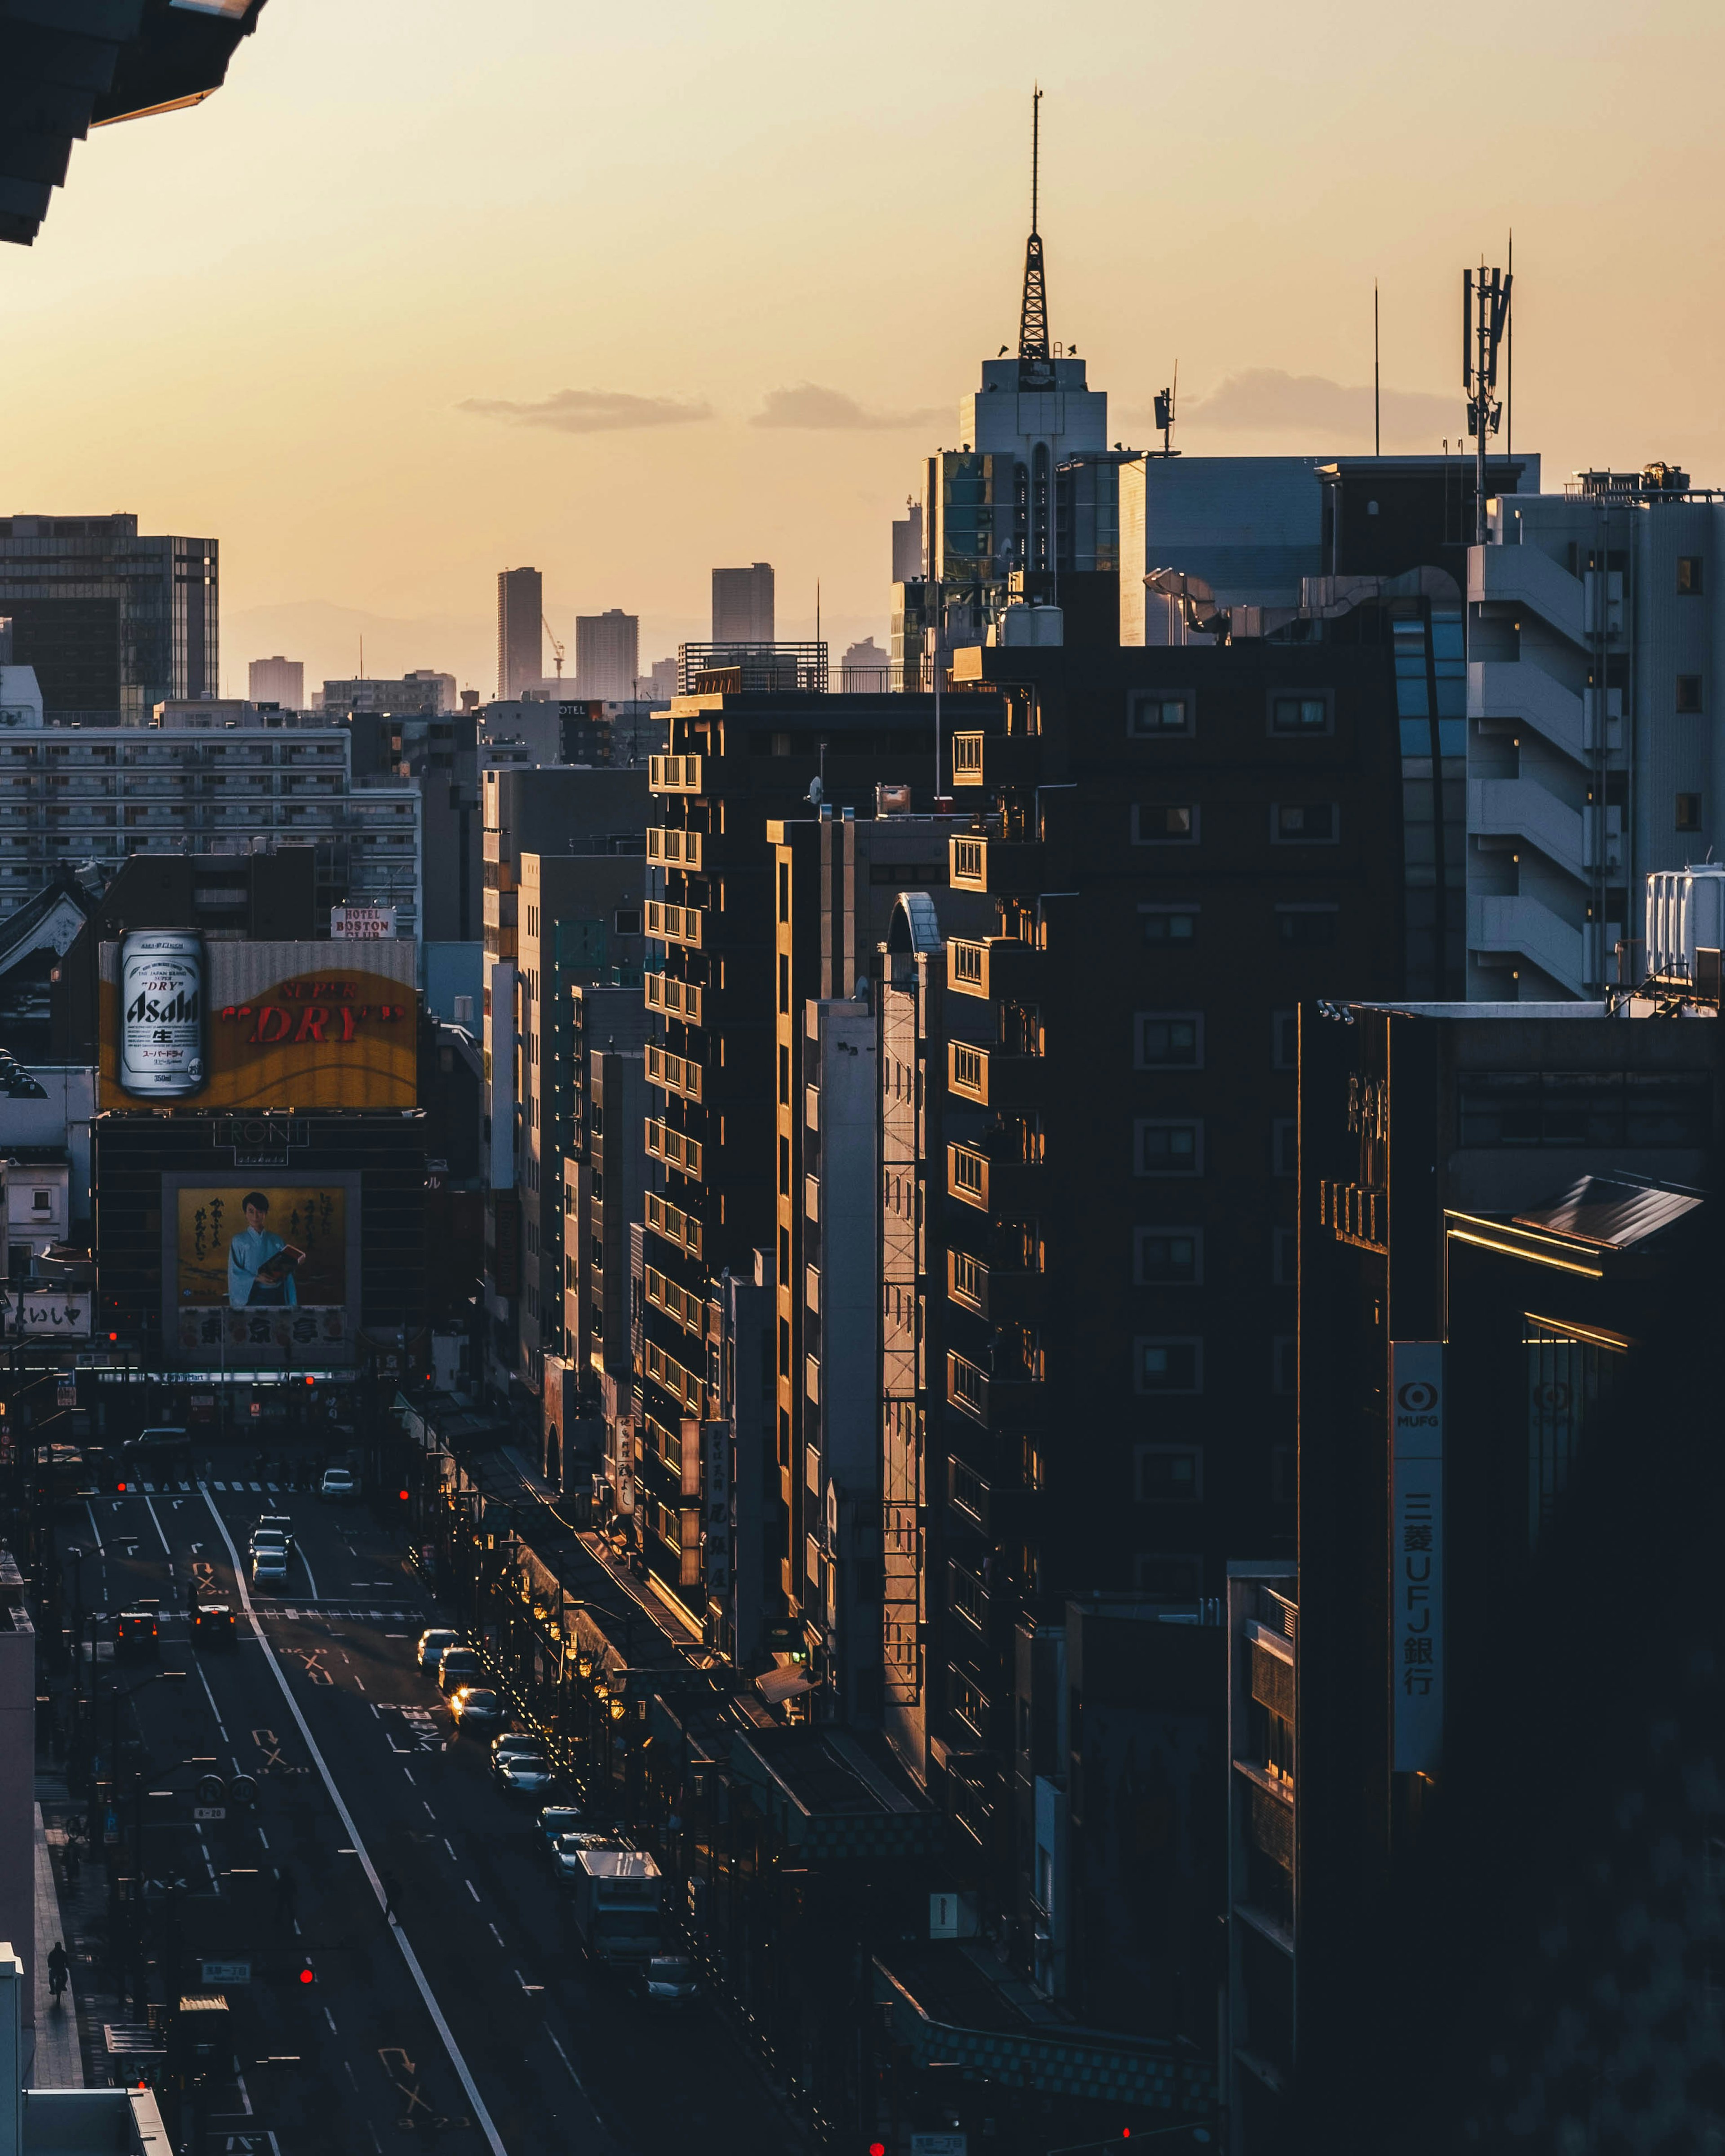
(430, 289)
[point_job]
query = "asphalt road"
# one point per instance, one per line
(474, 2020)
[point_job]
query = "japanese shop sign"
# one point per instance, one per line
(1416, 1556)
(29, 1313)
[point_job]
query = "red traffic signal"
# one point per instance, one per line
(877, 2149)
(405, 1496)
(307, 1973)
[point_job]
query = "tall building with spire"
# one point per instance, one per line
(1031, 494)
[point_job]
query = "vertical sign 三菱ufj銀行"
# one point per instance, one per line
(1416, 1554)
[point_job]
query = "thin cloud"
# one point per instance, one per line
(589, 411)
(1263, 399)
(828, 411)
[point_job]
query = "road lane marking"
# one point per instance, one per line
(498, 1936)
(150, 1507)
(408, 1772)
(471, 2087)
(330, 2019)
(94, 1528)
(300, 1553)
(454, 1859)
(471, 1888)
(211, 1697)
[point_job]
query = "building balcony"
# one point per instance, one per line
(1012, 1190)
(675, 1225)
(677, 1074)
(674, 774)
(673, 1147)
(1002, 867)
(677, 924)
(1524, 576)
(1002, 1296)
(1516, 692)
(674, 849)
(1001, 966)
(680, 999)
(1524, 810)
(1523, 927)
(992, 1078)
(996, 760)
(1013, 1403)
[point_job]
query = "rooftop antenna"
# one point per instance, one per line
(1484, 314)
(1032, 314)
(1377, 382)
(1165, 403)
(1509, 359)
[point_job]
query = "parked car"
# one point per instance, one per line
(476, 1708)
(668, 1980)
(429, 1652)
(135, 1636)
(280, 1522)
(523, 1774)
(555, 1820)
(458, 1666)
(514, 1740)
(269, 1563)
(213, 1626)
(338, 1483)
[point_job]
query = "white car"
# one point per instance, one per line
(338, 1482)
(268, 1538)
(525, 1773)
(269, 1563)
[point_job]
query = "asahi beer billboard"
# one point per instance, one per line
(252, 1027)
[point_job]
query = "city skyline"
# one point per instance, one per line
(1239, 240)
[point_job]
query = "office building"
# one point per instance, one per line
(608, 656)
(114, 623)
(440, 756)
(1260, 1808)
(865, 669)
(743, 604)
(100, 796)
(423, 693)
(660, 681)
(840, 880)
(521, 629)
(714, 1172)
(1507, 1263)
(277, 680)
(907, 559)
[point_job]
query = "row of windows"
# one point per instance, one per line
(1291, 823)
(1174, 1363)
(1174, 1040)
(1173, 1256)
(1300, 926)
(1169, 1145)
(1152, 716)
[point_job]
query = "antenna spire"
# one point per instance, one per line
(1033, 315)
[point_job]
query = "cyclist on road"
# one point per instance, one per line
(57, 1970)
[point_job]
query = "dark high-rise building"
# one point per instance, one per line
(113, 622)
(743, 604)
(521, 629)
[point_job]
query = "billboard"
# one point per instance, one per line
(46, 1313)
(226, 1026)
(270, 1265)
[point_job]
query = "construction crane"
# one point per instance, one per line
(556, 647)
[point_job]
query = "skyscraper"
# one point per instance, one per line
(608, 655)
(743, 604)
(113, 623)
(277, 680)
(521, 617)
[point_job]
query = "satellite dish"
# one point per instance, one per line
(815, 791)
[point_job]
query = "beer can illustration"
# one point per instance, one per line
(161, 1007)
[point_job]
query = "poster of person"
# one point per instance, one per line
(260, 1248)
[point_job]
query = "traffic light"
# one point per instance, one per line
(306, 1973)
(405, 1496)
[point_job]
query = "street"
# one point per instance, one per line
(474, 2018)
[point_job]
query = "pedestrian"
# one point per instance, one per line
(57, 1971)
(391, 1887)
(70, 1861)
(287, 1895)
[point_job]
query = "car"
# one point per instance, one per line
(135, 1636)
(458, 1666)
(555, 1820)
(268, 1564)
(669, 1980)
(474, 1707)
(164, 1450)
(515, 1740)
(271, 1538)
(213, 1626)
(523, 1774)
(280, 1522)
(566, 1853)
(338, 1482)
(429, 1652)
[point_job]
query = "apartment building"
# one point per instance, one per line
(1595, 753)
(602, 1194)
(715, 1171)
(107, 794)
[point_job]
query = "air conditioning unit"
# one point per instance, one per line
(1685, 913)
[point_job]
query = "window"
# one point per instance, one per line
(1284, 1040)
(1170, 1148)
(1159, 826)
(1169, 1365)
(784, 1077)
(1285, 1145)
(1306, 927)
(1150, 717)
(1300, 715)
(1169, 1473)
(966, 1069)
(1285, 1256)
(1170, 1041)
(1170, 924)
(40, 1202)
(968, 1705)
(1691, 582)
(967, 1595)
(967, 1490)
(1283, 1363)
(784, 891)
(1167, 1257)
(1688, 812)
(628, 920)
(785, 981)
(1305, 823)
(967, 1278)
(785, 1168)
(1689, 692)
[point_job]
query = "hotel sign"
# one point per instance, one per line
(1416, 1554)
